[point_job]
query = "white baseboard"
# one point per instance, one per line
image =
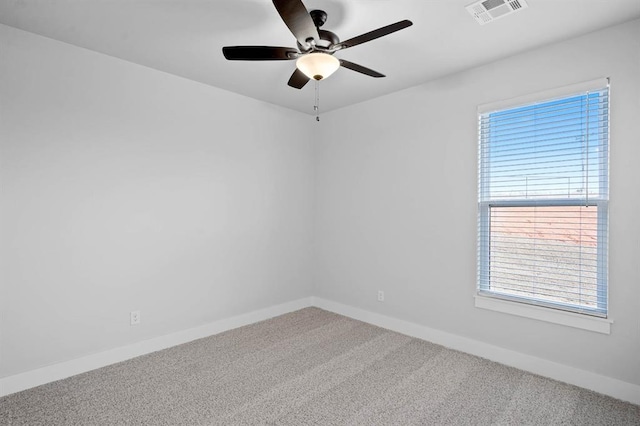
(602, 384)
(585, 379)
(51, 373)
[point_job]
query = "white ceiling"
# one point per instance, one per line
(185, 38)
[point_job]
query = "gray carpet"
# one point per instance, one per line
(311, 367)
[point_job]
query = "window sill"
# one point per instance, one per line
(570, 319)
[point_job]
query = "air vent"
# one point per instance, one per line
(490, 10)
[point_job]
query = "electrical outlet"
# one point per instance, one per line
(135, 317)
(380, 296)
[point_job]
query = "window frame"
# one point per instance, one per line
(509, 303)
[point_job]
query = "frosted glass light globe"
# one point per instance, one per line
(318, 65)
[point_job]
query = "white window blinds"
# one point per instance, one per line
(543, 201)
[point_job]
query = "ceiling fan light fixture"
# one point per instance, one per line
(317, 65)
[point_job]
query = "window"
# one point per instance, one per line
(543, 192)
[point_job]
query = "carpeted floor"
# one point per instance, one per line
(311, 367)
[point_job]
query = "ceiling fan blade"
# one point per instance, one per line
(297, 18)
(259, 53)
(298, 79)
(372, 35)
(360, 69)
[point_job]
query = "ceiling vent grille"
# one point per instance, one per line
(490, 10)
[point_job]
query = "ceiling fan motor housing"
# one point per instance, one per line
(327, 38)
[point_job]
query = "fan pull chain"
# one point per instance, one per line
(316, 106)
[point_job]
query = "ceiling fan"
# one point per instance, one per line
(316, 47)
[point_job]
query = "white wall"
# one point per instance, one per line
(125, 188)
(396, 203)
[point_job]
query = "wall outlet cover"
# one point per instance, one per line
(135, 317)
